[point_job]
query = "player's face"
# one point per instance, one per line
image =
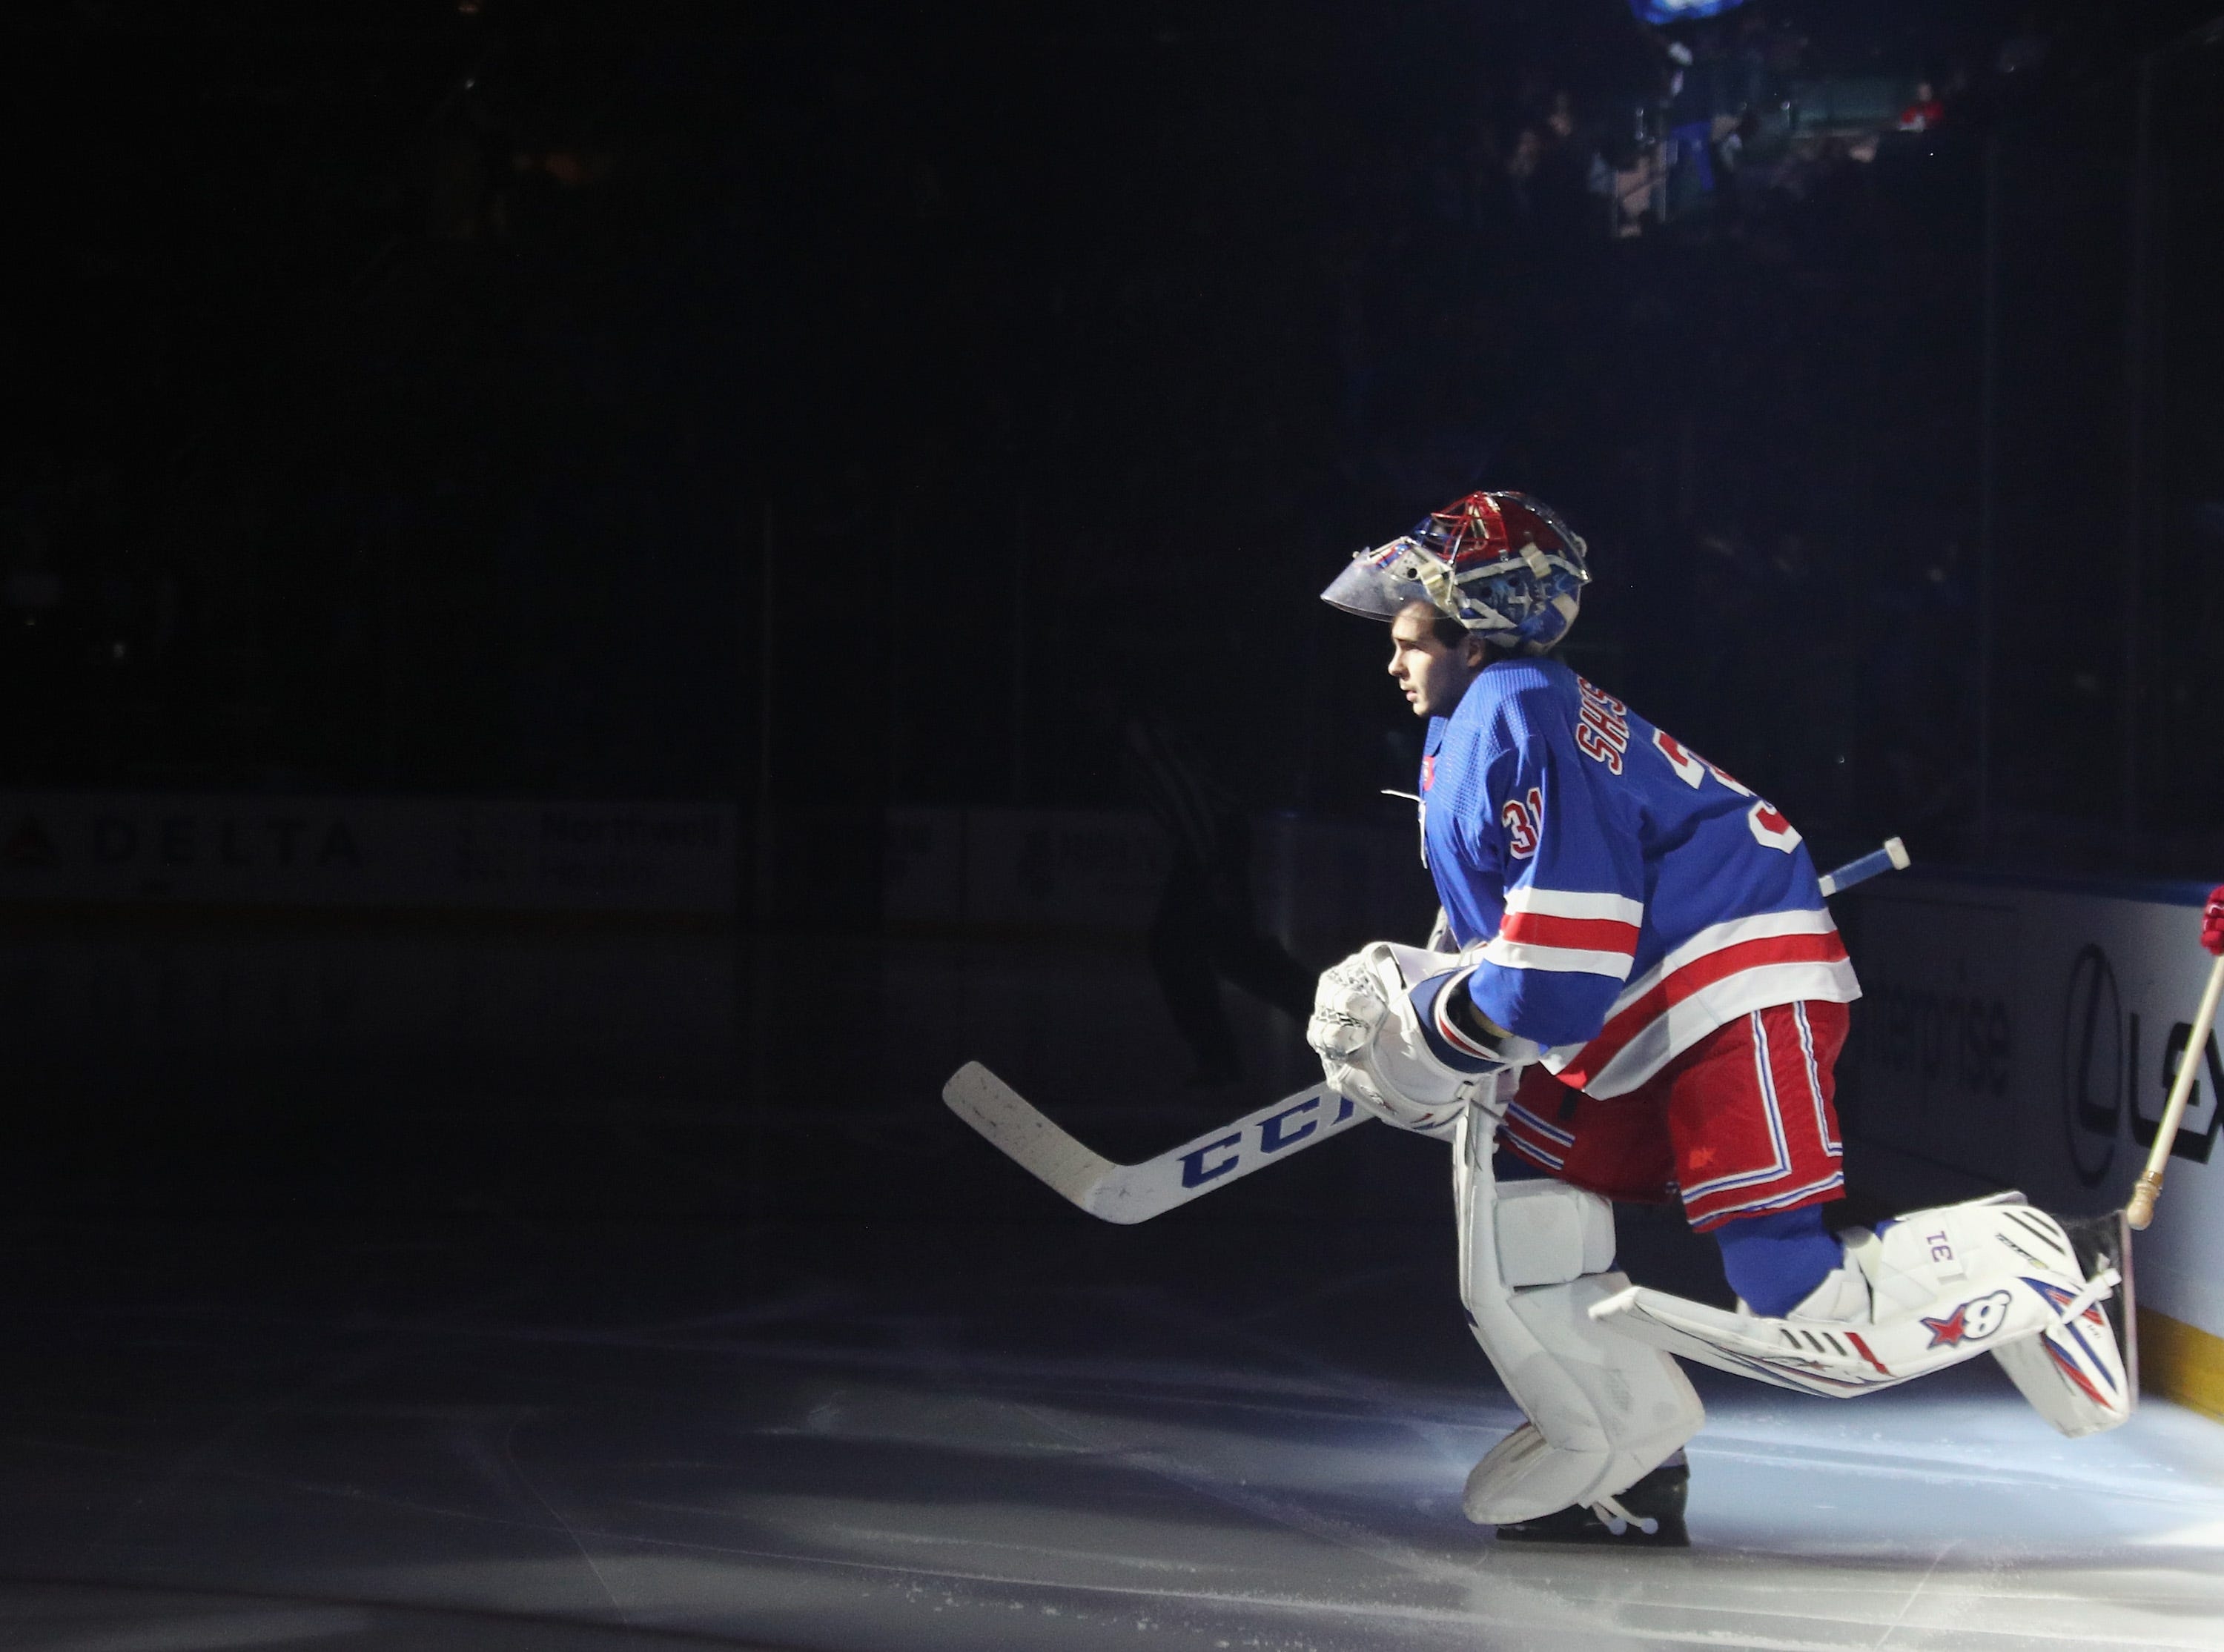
(1433, 676)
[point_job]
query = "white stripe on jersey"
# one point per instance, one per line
(1520, 955)
(1573, 902)
(1716, 937)
(1676, 1029)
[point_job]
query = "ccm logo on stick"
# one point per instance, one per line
(1275, 1133)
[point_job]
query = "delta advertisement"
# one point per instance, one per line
(434, 853)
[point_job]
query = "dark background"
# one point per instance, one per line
(433, 397)
(817, 412)
(816, 409)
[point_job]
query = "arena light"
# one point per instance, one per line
(1677, 11)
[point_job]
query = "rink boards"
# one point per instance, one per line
(2024, 1033)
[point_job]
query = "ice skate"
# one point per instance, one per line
(1649, 1515)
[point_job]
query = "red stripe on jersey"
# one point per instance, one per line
(1694, 977)
(1577, 934)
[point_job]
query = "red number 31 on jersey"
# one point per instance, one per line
(1524, 824)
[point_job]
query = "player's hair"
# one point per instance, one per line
(1449, 633)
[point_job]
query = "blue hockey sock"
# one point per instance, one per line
(1774, 1262)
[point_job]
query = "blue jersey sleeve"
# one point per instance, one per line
(1565, 829)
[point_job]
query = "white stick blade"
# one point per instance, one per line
(1024, 1135)
(1135, 1193)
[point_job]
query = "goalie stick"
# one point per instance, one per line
(1893, 857)
(1135, 1193)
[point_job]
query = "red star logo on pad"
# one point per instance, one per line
(1950, 1330)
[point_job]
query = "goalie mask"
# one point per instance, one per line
(1501, 564)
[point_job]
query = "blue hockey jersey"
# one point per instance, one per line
(1624, 897)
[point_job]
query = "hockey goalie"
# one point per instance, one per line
(1637, 994)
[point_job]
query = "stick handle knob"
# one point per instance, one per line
(2141, 1211)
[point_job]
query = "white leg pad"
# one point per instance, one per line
(1604, 1410)
(1937, 1287)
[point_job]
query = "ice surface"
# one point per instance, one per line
(521, 1297)
(992, 1457)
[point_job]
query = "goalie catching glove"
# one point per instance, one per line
(1396, 1032)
